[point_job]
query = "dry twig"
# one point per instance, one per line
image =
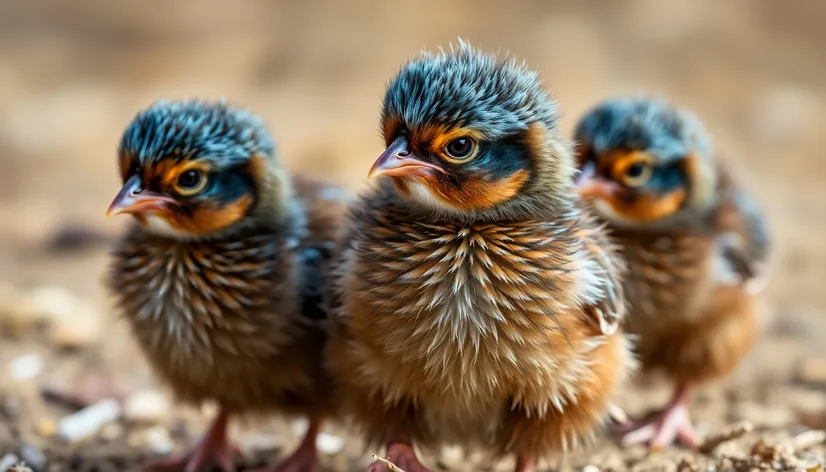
(733, 432)
(390, 466)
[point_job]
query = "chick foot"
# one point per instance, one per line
(213, 448)
(666, 427)
(402, 455)
(304, 458)
(525, 464)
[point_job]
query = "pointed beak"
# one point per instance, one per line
(397, 161)
(133, 199)
(589, 185)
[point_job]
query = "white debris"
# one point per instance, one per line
(146, 406)
(329, 443)
(452, 456)
(8, 461)
(89, 420)
(254, 443)
(26, 367)
(300, 426)
(158, 440)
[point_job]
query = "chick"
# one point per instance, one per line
(220, 276)
(474, 302)
(695, 244)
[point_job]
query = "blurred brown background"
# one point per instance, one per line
(73, 73)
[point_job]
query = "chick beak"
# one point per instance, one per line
(590, 185)
(133, 199)
(398, 161)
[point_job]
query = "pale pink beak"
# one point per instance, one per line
(133, 199)
(397, 161)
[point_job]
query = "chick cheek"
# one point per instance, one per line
(208, 218)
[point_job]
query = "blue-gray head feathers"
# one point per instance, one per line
(189, 130)
(643, 124)
(463, 87)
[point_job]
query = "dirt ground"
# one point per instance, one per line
(72, 74)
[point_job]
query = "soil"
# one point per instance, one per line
(72, 74)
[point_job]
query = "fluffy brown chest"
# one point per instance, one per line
(468, 319)
(669, 281)
(210, 316)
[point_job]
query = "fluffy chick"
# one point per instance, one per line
(220, 276)
(474, 302)
(695, 244)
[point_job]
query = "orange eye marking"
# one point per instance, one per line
(622, 160)
(647, 208)
(434, 138)
(208, 219)
(439, 141)
(170, 173)
(479, 193)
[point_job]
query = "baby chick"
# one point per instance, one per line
(696, 247)
(474, 302)
(220, 276)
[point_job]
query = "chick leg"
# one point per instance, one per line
(214, 447)
(401, 454)
(671, 424)
(305, 457)
(525, 464)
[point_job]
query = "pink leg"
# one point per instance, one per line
(525, 464)
(671, 424)
(401, 454)
(214, 447)
(304, 458)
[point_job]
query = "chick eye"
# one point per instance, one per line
(190, 182)
(460, 148)
(637, 174)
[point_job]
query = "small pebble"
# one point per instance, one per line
(26, 366)
(299, 426)
(22, 311)
(147, 406)
(329, 443)
(590, 468)
(32, 456)
(88, 421)
(45, 428)
(50, 303)
(82, 329)
(158, 440)
(111, 431)
(255, 443)
(452, 456)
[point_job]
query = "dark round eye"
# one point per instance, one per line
(637, 174)
(460, 148)
(635, 170)
(190, 181)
